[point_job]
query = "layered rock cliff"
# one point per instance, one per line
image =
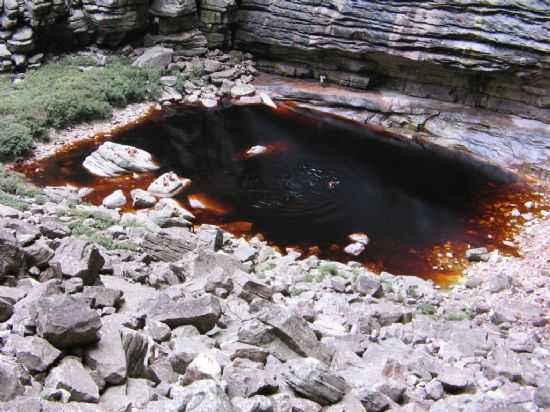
(494, 54)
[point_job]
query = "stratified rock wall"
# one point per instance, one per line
(494, 54)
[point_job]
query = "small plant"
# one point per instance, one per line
(328, 269)
(13, 183)
(427, 309)
(13, 201)
(457, 316)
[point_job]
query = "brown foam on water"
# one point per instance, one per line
(319, 180)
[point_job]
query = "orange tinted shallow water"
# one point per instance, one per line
(318, 180)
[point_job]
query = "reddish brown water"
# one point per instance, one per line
(320, 179)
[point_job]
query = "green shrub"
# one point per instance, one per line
(60, 94)
(15, 139)
(13, 183)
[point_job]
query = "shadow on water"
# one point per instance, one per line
(320, 179)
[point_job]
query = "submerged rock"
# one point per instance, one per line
(113, 159)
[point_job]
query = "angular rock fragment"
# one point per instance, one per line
(295, 332)
(248, 379)
(66, 322)
(73, 377)
(76, 257)
(102, 297)
(201, 312)
(154, 58)
(249, 289)
(12, 258)
(142, 199)
(35, 353)
(169, 245)
(311, 379)
(6, 309)
(107, 357)
(368, 285)
(203, 396)
(10, 379)
(114, 200)
(169, 213)
(113, 159)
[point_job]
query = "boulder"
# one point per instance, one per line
(248, 288)
(246, 379)
(154, 58)
(168, 185)
(76, 257)
(35, 353)
(202, 312)
(10, 379)
(6, 309)
(138, 349)
(107, 357)
(186, 349)
(12, 258)
(169, 245)
(102, 297)
(311, 379)
(66, 321)
(39, 254)
(113, 159)
(142, 199)
(74, 378)
(114, 200)
(368, 285)
(203, 396)
(204, 366)
(295, 332)
(169, 213)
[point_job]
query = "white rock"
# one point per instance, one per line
(114, 200)
(354, 249)
(267, 101)
(168, 185)
(359, 238)
(209, 103)
(204, 366)
(256, 150)
(113, 159)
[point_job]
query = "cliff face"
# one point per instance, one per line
(493, 54)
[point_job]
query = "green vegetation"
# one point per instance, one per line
(62, 93)
(14, 190)
(89, 223)
(427, 309)
(458, 315)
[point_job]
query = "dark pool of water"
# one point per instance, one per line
(321, 179)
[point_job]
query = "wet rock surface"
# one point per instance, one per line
(235, 331)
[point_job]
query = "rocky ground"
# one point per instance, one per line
(101, 311)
